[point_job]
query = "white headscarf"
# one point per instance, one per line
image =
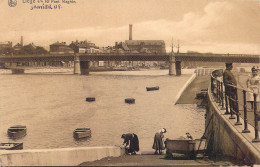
(163, 130)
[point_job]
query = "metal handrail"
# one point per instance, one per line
(231, 103)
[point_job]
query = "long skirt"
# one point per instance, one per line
(158, 143)
(250, 95)
(134, 144)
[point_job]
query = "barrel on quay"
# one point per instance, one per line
(130, 100)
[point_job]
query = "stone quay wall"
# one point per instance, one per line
(225, 138)
(57, 157)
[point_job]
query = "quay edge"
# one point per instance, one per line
(57, 157)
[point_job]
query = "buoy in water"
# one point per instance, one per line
(89, 99)
(152, 88)
(80, 133)
(130, 100)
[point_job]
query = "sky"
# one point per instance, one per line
(217, 26)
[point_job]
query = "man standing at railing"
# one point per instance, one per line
(231, 91)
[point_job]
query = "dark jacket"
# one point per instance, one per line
(132, 139)
(229, 78)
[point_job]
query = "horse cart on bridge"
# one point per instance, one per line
(190, 148)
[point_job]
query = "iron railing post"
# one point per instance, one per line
(231, 104)
(222, 96)
(256, 139)
(212, 84)
(218, 93)
(216, 89)
(246, 130)
(237, 108)
(226, 100)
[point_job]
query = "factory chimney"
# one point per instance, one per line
(22, 40)
(130, 31)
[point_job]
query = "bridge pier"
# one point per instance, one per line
(178, 67)
(174, 66)
(172, 70)
(76, 65)
(81, 67)
(84, 67)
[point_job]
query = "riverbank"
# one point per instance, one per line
(189, 94)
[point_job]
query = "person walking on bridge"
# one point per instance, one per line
(230, 87)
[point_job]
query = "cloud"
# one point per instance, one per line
(222, 26)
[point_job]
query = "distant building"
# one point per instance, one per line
(18, 47)
(122, 46)
(5, 46)
(60, 48)
(141, 46)
(79, 47)
(84, 47)
(146, 46)
(32, 45)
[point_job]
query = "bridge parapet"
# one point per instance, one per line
(235, 58)
(240, 58)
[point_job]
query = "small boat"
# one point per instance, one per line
(11, 146)
(17, 131)
(80, 133)
(130, 100)
(204, 90)
(152, 88)
(89, 99)
(203, 94)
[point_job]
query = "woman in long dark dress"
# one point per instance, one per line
(158, 141)
(131, 140)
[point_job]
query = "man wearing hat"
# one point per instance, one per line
(230, 86)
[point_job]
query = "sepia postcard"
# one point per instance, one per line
(129, 82)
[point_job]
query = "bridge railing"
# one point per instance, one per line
(232, 98)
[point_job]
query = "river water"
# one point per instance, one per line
(53, 105)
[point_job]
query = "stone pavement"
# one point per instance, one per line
(158, 160)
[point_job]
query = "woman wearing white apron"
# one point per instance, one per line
(253, 86)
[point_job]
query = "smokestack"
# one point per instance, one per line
(130, 31)
(22, 40)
